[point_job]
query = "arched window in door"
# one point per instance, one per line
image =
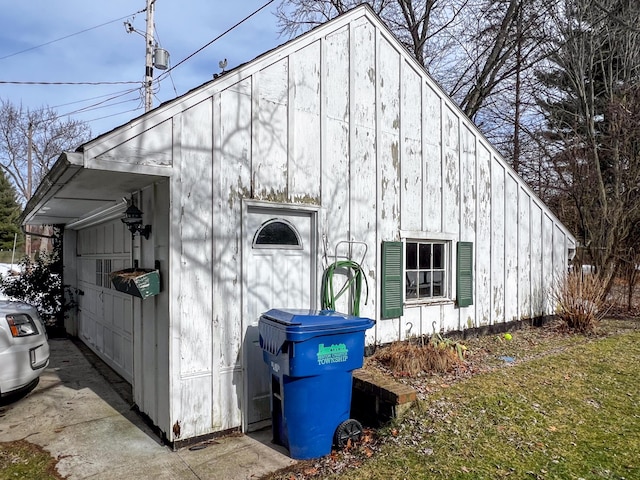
(277, 233)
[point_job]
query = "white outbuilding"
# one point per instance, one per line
(336, 145)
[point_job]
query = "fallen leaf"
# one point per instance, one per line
(552, 428)
(310, 471)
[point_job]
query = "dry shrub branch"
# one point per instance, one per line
(581, 301)
(438, 355)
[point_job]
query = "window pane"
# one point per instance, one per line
(425, 284)
(412, 256)
(438, 255)
(438, 281)
(277, 233)
(412, 285)
(425, 256)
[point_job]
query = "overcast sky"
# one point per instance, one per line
(110, 54)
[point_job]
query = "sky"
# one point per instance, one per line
(32, 49)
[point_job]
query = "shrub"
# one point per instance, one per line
(438, 355)
(580, 301)
(39, 283)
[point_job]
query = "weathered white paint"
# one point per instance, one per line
(468, 212)
(483, 278)
(388, 161)
(548, 273)
(151, 148)
(511, 227)
(192, 269)
(450, 171)
(537, 287)
(270, 131)
(524, 254)
(363, 160)
(411, 185)
(304, 155)
(432, 138)
(497, 242)
(335, 167)
(341, 120)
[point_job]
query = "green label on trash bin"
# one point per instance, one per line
(336, 353)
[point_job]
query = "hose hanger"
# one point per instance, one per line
(355, 276)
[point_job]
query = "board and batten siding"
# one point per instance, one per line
(342, 119)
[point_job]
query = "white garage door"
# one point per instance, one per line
(105, 315)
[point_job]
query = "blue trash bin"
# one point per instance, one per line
(311, 356)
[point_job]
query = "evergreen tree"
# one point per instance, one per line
(9, 213)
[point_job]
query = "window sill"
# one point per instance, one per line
(428, 303)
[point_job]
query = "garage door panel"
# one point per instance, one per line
(108, 342)
(106, 315)
(118, 313)
(99, 341)
(117, 349)
(100, 239)
(88, 300)
(107, 244)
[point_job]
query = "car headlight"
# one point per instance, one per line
(21, 325)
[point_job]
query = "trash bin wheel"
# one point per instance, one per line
(348, 430)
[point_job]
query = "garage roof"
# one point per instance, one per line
(71, 193)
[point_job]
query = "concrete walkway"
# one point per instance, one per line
(77, 415)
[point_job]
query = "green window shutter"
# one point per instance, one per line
(391, 280)
(465, 274)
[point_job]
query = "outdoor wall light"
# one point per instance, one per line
(133, 220)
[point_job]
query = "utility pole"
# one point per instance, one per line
(148, 74)
(29, 161)
(29, 179)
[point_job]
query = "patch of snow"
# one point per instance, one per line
(5, 268)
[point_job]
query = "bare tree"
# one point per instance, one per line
(476, 49)
(592, 107)
(42, 132)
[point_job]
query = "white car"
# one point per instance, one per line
(24, 349)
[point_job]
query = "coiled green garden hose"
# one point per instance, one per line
(354, 274)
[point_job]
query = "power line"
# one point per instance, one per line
(9, 82)
(69, 36)
(88, 99)
(125, 92)
(113, 115)
(166, 72)
(97, 105)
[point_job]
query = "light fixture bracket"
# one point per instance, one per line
(133, 220)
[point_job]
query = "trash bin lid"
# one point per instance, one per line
(301, 324)
(302, 318)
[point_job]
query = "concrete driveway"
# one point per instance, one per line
(82, 417)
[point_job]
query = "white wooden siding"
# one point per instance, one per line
(497, 242)
(191, 271)
(304, 155)
(412, 179)
(483, 280)
(343, 119)
(432, 160)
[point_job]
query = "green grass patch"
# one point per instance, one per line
(24, 460)
(574, 414)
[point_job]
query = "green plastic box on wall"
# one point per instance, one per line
(139, 282)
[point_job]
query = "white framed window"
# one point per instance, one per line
(277, 233)
(422, 271)
(427, 269)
